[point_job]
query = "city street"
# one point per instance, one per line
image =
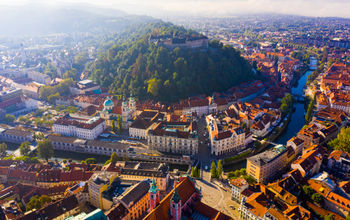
(214, 195)
(203, 149)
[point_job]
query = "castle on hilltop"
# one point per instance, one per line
(186, 41)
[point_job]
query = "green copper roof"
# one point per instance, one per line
(153, 188)
(176, 197)
(108, 102)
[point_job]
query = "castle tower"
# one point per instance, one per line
(153, 195)
(175, 206)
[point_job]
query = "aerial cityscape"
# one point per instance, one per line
(174, 110)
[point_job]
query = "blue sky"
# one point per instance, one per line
(339, 8)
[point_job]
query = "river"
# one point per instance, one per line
(297, 119)
(298, 116)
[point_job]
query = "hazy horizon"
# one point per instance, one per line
(209, 8)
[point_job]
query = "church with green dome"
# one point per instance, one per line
(123, 109)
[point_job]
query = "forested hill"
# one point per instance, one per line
(152, 71)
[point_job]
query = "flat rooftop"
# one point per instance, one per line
(268, 155)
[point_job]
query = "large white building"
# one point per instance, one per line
(228, 141)
(174, 137)
(79, 126)
(226, 137)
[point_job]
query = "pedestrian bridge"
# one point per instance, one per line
(273, 143)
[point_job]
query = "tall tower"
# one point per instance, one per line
(175, 206)
(132, 106)
(153, 195)
(125, 112)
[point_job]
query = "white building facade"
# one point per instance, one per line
(89, 130)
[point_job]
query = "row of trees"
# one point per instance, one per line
(44, 149)
(195, 172)
(310, 108)
(216, 172)
(286, 103)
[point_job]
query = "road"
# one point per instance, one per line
(204, 155)
(213, 195)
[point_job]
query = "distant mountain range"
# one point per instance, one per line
(42, 20)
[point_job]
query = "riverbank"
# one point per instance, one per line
(300, 73)
(228, 166)
(290, 128)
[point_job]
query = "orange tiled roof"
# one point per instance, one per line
(185, 189)
(239, 182)
(257, 204)
(297, 212)
(345, 185)
(339, 200)
(337, 154)
(277, 214)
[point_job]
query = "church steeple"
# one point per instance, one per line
(153, 195)
(175, 205)
(176, 197)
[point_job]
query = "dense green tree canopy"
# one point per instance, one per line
(219, 169)
(286, 103)
(37, 202)
(342, 142)
(51, 93)
(213, 171)
(24, 148)
(152, 71)
(50, 70)
(45, 149)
